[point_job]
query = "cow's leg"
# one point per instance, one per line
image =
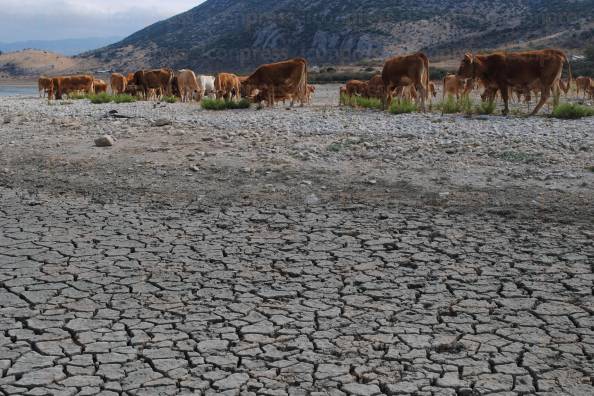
(505, 96)
(422, 94)
(546, 93)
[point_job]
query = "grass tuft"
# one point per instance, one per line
(402, 106)
(170, 99)
(486, 108)
(359, 101)
(572, 111)
(221, 104)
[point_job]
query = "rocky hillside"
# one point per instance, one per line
(240, 34)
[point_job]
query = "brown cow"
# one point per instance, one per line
(401, 71)
(356, 88)
(158, 80)
(375, 87)
(130, 78)
(311, 90)
(99, 86)
(227, 86)
(432, 89)
(342, 95)
(453, 86)
(516, 69)
(44, 86)
(583, 84)
(70, 84)
(118, 83)
(287, 78)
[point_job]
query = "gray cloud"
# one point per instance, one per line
(52, 20)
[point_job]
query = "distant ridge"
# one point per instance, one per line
(238, 35)
(67, 47)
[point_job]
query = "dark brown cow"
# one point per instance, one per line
(583, 84)
(158, 79)
(282, 79)
(227, 86)
(408, 70)
(70, 84)
(520, 69)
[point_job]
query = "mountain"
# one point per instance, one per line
(63, 47)
(238, 35)
(32, 63)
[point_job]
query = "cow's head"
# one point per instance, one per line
(466, 69)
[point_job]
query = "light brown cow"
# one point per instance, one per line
(189, 86)
(311, 90)
(71, 84)
(44, 86)
(99, 86)
(118, 83)
(280, 79)
(432, 89)
(453, 86)
(130, 78)
(517, 69)
(227, 86)
(342, 95)
(401, 71)
(583, 84)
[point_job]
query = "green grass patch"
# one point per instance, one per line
(170, 99)
(572, 111)
(358, 101)
(100, 98)
(451, 105)
(124, 98)
(221, 104)
(402, 106)
(77, 96)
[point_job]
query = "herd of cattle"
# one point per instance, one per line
(505, 74)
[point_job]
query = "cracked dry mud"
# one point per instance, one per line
(111, 293)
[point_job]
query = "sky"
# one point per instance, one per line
(22, 20)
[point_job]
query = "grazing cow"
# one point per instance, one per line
(375, 87)
(591, 90)
(227, 86)
(175, 91)
(453, 86)
(342, 95)
(356, 88)
(118, 83)
(67, 85)
(407, 92)
(583, 84)
(99, 86)
(157, 79)
(243, 89)
(44, 86)
(311, 90)
(134, 90)
(130, 78)
(517, 69)
(207, 82)
(401, 71)
(189, 86)
(277, 80)
(432, 90)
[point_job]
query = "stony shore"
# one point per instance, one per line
(317, 250)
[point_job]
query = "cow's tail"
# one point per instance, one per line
(569, 74)
(426, 76)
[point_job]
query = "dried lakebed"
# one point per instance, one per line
(310, 251)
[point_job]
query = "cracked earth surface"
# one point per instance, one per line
(137, 300)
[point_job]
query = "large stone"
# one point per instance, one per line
(105, 141)
(234, 381)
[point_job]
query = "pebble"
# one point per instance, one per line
(105, 141)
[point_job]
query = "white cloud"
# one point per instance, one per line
(50, 19)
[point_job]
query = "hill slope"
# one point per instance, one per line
(32, 63)
(67, 47)
(240, 34)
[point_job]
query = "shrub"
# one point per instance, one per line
(169, 99)
(571, 111)
(449, 106)
(486, 108)
(358, 101)
(221, 104)
(78, 96)
(124, 98)
(402, 106)
(466, 105)
(100, 98)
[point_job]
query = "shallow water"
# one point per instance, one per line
(18, 90)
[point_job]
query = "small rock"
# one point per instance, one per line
(105, 141)
(6, 120)
(194, 168)
(162, 122)
(312, 199)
